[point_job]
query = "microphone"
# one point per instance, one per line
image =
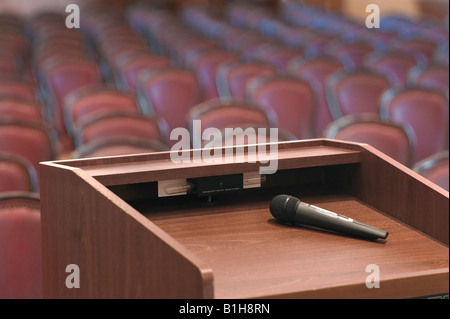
(290, 210)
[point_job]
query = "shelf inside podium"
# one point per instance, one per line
(251, 255)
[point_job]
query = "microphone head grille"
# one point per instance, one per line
(283, 207)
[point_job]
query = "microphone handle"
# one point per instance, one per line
(318, 217)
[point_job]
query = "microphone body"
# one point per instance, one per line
(290, 210)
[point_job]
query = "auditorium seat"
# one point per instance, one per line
(291, 102)
(435, 168)
(169, 94)
(129, 67)
(118, 125)
(350, 53)
(394, 65)
(220, 114)
(118, 146)
(355, 92)
(432, 76)
(34, 142)
(295, 37)
(392, 139)
(42, 20)
(168, 35)
(233, 77)
(442, 55)
(205, 64)
(236, 39)
(109, 59)
(422, 48)
(15, 87)
(317, 45)
(278, 56)
(20, 246)
(249, 134)
(186, 47)
(18, 109)
(93, 100)
(17, 174)
(425, 111)
(62, 76)
(55, 50)
(316, 72)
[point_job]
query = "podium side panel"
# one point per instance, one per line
(119, 252)
(398, 191)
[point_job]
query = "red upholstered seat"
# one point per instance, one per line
(233, 77)
(350, 54)
(425, 111)
(390, 138)
(16, 174)
(32, 141)
(20, 246)
(355, 93)
(118, 146)
(96, 99)
(129, 67)
(289, 101)
(422, 48)
(169, 93)
(61, 77)
(205, 64)
(317, 71)
(394, 65)
(435, 168)
(432, 76)
(18, 109)
(227, 113)
(17, 88)
(117, 125)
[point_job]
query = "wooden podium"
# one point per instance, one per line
(105, 216)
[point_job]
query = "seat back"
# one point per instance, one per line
(425, 111)
(97, 99)
(433, 76)
(16, 174)
(205, 64)
(290, 102)
(222, 114)
(130, 66)
(17, 109)
(317, 72)
(423, 49)
(277, 56)
(355, 93)
(32, 141)
(394, 65)
(394, 140)
(169, 94)
(17, 88)
(117, 125)
(435, 168)
(350, 54)
(118, 146)
(20, 246)
(61, 77)
(233, 77)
